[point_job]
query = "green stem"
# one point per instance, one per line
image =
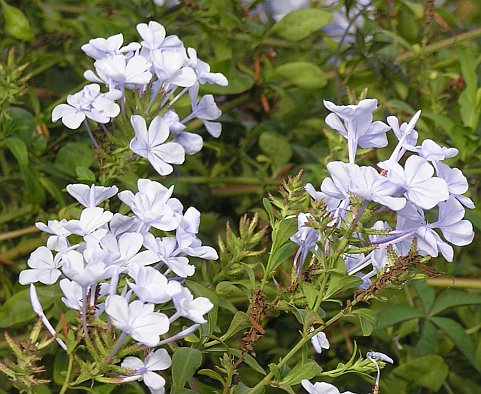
(66, 384)
(303, 341)
(18, 233)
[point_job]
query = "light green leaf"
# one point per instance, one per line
(428, 371)
(185, 362)
(367, 318)
(306, 75)
(298, 24)
(301, 371)
(16, 23)
(276, 146)
(84, 174)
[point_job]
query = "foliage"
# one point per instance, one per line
(409, 55)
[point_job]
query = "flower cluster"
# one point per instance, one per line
(112, 266)
(424, 193)
(159, 71)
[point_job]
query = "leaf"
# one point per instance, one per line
(276, 146)
(18, 309)
(73, 155)
(306, 75)
(185, 362)
(456, 333)
(367, 318)
(298, 24)
(449, 298)
(243, 389)
(395, 314)
(286, 229)
(301, 371)
(341, 282)
(249, 360)
(428, 371)
(85, 174)
(18, 149)
(239, 322)
(425, 293)
(310, 293)
(34, 191)
(238, 82)
(212, 374)
(428, 339)
(281, 255)
(16, 23)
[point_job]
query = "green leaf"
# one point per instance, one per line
(276, 146)
(281, 255)
(73, 155)
(18, 309)
(428, 371)
(449, 298)
(310, 293)
(243, 389)
(395, 314)
(341, 282)
(456, 333)
(16, 23)
(298, 24)
(306, 75)
(428, 339)
(212, 374)
(185, 362)
(286, 229)
(238, 83)
(34, 191)
(84, 174)
(301, 371)
(249, 360)
(425, 293)
(367, 318)
(239, 322)
(18, 149)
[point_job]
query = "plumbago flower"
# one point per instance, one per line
(412, 185)
(115, 273)
(160, 71)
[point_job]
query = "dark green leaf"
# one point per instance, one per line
(428, 371)
(456, 333)
(18, 149)
(449, 298)
(397, 313)
(18, 309)
(185, 362)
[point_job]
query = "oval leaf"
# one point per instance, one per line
(185, 362)
(306, 75)
(16, 23)
(298, 24)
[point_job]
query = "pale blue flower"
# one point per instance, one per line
(151, 144)
(88, 103)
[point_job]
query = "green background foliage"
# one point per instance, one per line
(409, 55)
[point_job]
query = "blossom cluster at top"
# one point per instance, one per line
(159, 70)
(113, 265)
(425, 194)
